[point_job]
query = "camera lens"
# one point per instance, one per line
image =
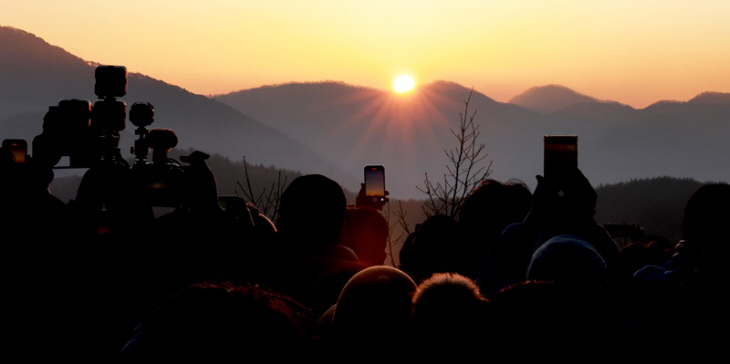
(142, 114)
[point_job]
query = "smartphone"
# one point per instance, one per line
(375, 181)
(17, 148)
(561, 154)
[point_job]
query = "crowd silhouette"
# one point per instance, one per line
(517, 275)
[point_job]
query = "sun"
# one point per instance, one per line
(404, 83)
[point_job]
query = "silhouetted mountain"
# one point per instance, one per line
(711, 98)
(596, 112)
(353, 126)
(36, 75)
(550, 98)
(406, 133)
(409, 133)
(706, 100)
(680, 139)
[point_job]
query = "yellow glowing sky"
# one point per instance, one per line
(636, 52)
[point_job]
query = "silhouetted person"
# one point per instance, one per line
(307, 262)
(112, 223)
(487, 211)
(39, 258)
(198, 241)
(311, 212)
(561, 206)
(569, 260)
(688, 294)
(110, 204)
(437, 246)
(366, 233)
(29, 210)
(580, 275)
(539, 320)
(372, 316)
(213, 322)
(449, 312)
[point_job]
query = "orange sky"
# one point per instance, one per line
(635, 52)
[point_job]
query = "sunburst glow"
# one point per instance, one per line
(404, 83)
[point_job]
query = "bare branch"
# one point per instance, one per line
(268, 200)
(464, 172)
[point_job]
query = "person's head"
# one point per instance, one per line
(438, 245)
(374, 305)
(494, 205)
(445, 297)
(449, 308)
(312, 208)
(707, 214)
(569, 261)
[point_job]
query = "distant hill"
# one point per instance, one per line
(36, 75)
(656, 204)
(717, 101)
(711, 98)
(550, 98)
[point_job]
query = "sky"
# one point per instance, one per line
(634, 52)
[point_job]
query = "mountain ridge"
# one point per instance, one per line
(29, 87)
(299, 126)
(617, 141)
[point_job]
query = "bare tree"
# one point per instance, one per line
(267, 201)
(465, 169)
(398, 229)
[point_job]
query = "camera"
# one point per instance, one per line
(84, 133)
(159, 180)
(89, 136)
